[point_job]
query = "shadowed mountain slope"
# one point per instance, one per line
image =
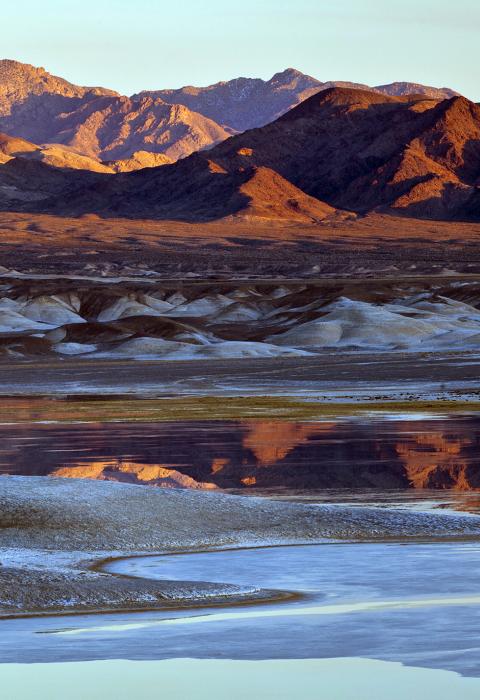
(194, 189)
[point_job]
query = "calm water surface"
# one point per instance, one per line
(364, 609)
(369, 453)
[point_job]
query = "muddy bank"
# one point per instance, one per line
(36, 592)
(53, 531)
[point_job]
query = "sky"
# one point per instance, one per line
(131, 45)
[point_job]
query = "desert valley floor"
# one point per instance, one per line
(178, 447)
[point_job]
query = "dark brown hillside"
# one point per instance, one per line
(362, 151)
(194, 189)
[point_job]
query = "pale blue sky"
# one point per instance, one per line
(130, 45)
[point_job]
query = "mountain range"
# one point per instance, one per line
(105, 126)
(340, 152)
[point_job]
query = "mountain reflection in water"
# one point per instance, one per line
(350, 453)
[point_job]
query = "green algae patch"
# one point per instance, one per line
(127, 409)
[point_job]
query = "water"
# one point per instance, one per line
(379, 620)
(369, 621)
(192, 679)
(376, 453)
